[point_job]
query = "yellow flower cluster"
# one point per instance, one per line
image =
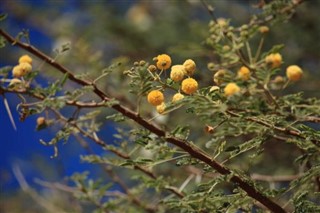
(231, 89)
(244, 73)
(178, 73)
(23, 68)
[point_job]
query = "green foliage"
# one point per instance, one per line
(252, 148)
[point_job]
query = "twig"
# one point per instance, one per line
(277, 128)
(269, 178)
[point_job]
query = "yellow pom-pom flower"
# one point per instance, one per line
(177, 73)
(17, 71)
(177, 97)
(244, 73)
(161, 108)
(275, 59)
(25, 59)
(231, 89)
(218, 77)
(163, 62)
(189, 86)
(294, 73)
(26, 67)
(189, 67)
(155, 97)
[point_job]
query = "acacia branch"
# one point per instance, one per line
(183, 144)
(271, 126)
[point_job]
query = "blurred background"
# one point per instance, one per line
(99, 32)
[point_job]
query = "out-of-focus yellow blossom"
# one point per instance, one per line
(231, 89)
(17, 71)
(244, 73)
(294, 73)
(25, 59)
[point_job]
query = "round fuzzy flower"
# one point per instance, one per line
(17, 71)
(177, 73)
(217, 77)
(25, 59)
(231, 89)
(294, 73)
(155, 97)
(189, 86)
(244, 73)
(161, 108)
(177, 97)
(275, 59)
(163, 62)
(189, 67)
(264, 29)
(26, 67)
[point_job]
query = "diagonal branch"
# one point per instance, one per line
(185, 145)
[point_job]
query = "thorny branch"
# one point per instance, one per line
(185, 145)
